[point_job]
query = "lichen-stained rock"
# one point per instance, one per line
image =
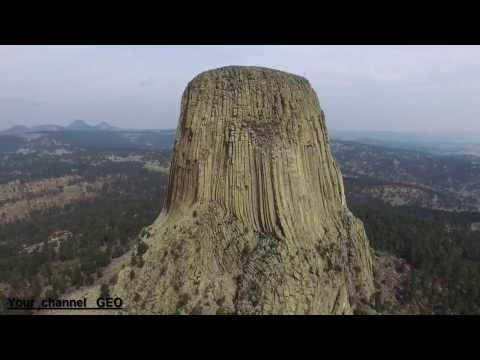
(255, 220)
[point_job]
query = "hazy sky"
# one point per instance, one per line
(411, 88)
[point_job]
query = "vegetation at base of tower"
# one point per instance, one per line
(441, 247)
(100, 228)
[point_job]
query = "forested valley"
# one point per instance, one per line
(65, 216)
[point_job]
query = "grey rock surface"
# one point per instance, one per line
(255, 220)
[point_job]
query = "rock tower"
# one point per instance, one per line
(255, 220)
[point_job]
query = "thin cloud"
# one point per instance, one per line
(406, 88)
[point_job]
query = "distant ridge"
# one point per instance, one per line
(15, 130)
(48, 127)
(76, 125)
(104, 126)
(79, 125)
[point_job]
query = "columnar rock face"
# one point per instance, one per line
(255, 220)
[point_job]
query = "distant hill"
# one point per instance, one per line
(102, 136)
(441, 143)
(48, 127)
(79, 125)
(15, 130)
(104, 126)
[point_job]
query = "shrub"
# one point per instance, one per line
(197, 310)
(104, 291)
(141, 248)
(183, 300)
(220, 301)
(113, 280)
(133, 261)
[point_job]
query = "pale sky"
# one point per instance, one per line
(396, 88)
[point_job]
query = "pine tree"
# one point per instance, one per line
(104, 291)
